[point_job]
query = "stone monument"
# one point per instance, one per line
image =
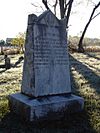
(46, 88)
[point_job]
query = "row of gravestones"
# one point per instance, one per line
(46, 77)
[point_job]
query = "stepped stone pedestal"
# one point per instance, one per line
(46, 88)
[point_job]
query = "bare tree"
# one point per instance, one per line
(80, 45)
(65, 8)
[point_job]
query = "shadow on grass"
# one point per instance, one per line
(12, 65)
(92, 55)
(2, 71)
(91, 105)
(19, 61)
(76, 123)
(3, 67)
(92, 78)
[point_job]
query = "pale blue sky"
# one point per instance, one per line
(14, 14)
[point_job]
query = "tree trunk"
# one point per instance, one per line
(80, 45)
(68, 12)
(63, 9)
(61, 3)
(2, 50)
(45, 3)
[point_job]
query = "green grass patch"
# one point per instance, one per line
(4, 109)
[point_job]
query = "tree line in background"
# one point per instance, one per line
(89, 44)
(17, 43)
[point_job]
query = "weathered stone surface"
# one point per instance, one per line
(46, 64)
(50, 107)
(46, 89)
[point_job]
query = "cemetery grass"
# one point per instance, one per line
(85, 78)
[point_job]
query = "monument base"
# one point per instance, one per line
(45, 108)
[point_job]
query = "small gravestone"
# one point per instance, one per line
(46, 88)
(7, 62)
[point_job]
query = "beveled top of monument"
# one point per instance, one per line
(46, 62)
(46, 18)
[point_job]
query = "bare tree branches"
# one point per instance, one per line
(96, 15)
(96, 6)
(55, 5)
(34, 5)
(69, 11)
(66, 6)
(45, 2)
(37, 6)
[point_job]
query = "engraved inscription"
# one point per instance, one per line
(46, 49)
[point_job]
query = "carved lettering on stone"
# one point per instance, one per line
(46, 64)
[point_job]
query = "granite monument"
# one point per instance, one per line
(46, 87)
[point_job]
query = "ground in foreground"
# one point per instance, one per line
(85, 78)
